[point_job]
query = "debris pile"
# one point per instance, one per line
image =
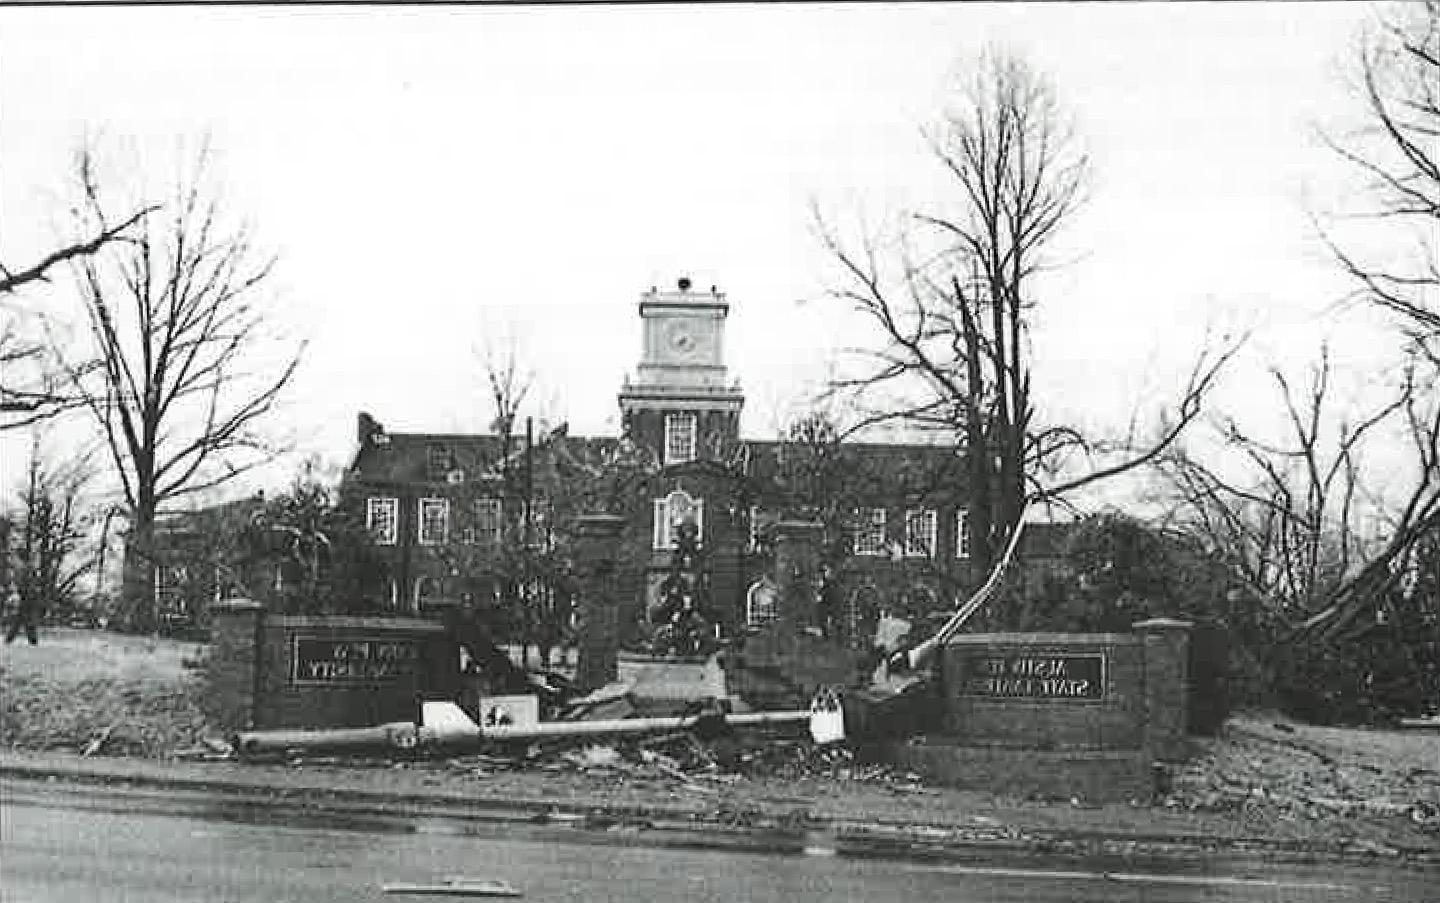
(1297, 772)
(704, 765)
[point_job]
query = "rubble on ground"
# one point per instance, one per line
(1268, 768)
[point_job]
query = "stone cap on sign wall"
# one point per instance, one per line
(352, 622)
(1043, 639)
(235, 605)
(1156, 624)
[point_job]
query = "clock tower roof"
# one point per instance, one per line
(684, 296)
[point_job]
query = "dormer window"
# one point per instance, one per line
(680, 440)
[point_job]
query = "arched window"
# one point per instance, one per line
(674, 510)
(762, 602)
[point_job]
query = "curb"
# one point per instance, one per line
(793, 832)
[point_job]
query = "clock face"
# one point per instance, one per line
(681, 339)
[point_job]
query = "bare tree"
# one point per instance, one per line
(53, 524)
(951, 303)
(1396, 155)
(181, 387)
(1289, 513)
(30, 389)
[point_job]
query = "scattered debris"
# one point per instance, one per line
(1294, 772)
(98, 741)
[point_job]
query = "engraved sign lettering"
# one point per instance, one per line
(352, 660)
(1032, 676)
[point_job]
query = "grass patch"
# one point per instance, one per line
(79, 685)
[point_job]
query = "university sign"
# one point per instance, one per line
(1030, 675)
(362, 660)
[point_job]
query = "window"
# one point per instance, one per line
(679, 438)
(673, 510)
(426, 589)
(434, 521)
(870, 531)
(488, 528)
(761, 603)
(962, 533)
(541, 519)
(920, 533)
(382, 520)
(755, 525)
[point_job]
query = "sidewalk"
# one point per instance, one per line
(915, 821)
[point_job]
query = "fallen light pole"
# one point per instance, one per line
(445, 724)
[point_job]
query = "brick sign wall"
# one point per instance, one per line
(335, 671)
(1045, 691)
(1058, 714)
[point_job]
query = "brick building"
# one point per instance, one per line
(487, 515)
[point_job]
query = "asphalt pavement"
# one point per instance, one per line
(65, 843)
(893, 825)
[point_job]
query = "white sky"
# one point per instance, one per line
(426, 171)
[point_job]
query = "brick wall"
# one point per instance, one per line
(1115, 720)
(267, 671)
(390, 663)
(1058, 715)
(229, 695)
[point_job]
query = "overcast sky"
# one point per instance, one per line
(427, 173)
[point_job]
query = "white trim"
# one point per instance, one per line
(921, 529)
(755, 614)
(682, 437)
(962, 533)
(420, 506)
(665, 515)
(869, 535)
(391, 507)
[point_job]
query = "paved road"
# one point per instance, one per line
(59, 845)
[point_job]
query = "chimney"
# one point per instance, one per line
(367, 428)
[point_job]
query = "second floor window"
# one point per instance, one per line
(488, 526)
(919, 534)
(679, 437)
(382, 520)
(434, 521)
(870, 531)
(962, 533)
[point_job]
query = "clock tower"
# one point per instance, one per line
(682, 406)
(682, 360)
